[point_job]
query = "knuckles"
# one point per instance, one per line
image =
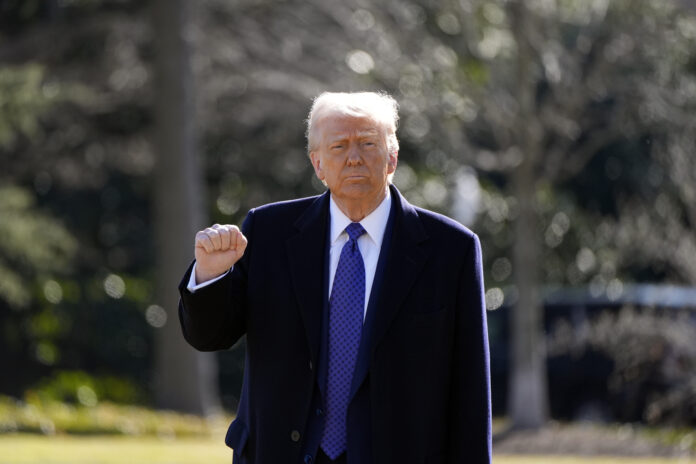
(221, 237)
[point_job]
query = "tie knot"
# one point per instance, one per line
(354, 230)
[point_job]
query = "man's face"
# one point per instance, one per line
(352, 158)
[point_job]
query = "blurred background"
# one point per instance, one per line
(561, 131)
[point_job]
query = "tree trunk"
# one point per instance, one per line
(528, 387)
(528, 397)
(186, 380)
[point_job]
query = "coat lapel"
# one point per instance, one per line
(306, 252)
(401, 260)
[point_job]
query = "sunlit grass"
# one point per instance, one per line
(586, 460)
(34, 449)
(40, 432)
(53, 417)
(62, 449)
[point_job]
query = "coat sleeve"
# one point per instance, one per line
(470, 420)
(214, 317)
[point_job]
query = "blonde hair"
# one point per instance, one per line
(380, 107)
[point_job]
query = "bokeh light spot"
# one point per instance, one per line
(86, 396)
(585, 260)
(360, 61)
(156, 316)
(227, 204)
(114, 286)
(46, 353)
(494, 298)
(434, 192)
(362, 20)
(449, 24)
(53, 292)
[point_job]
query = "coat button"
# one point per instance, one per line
(308, 459)
(319, 411)
(295, 436)
(310, 365)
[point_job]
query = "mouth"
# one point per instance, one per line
(355, 177)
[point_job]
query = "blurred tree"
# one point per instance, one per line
(36, 249)
(563, 82)
(186, 379)
(572, 116)
(70, 149)
(584, 76)
(657, 230)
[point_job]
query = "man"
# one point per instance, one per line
(364, 315)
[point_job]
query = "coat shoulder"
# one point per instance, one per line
(440, 226)
(285, 213)
(297, 205)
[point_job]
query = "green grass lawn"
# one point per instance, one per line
(584, 460)
(36, 449)
(62, 449)
(40, 431)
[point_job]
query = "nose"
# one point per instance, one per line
(354, 157)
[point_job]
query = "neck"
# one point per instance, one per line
(357, 210)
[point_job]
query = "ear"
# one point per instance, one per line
(316, 163)
(392, 161)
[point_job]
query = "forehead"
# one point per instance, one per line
(337, 125)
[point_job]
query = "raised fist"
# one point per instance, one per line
(217, 248)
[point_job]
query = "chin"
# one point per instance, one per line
(358, 192)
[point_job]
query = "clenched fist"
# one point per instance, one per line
(217, 249)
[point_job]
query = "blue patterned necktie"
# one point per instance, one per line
(346, 307)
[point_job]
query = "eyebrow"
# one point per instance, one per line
(368, 132)
(338, 137)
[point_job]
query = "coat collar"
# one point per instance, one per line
(306, 253)
(400, 262)
(403, 259)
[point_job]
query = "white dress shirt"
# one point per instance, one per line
(369, 243)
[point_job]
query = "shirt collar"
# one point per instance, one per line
(374, 223)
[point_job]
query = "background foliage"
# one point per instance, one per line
(612, 85)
